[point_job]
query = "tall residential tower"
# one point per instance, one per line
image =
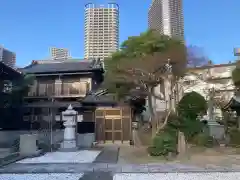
(7, 57)
(101, 30)
(166, 17)
(59, 53)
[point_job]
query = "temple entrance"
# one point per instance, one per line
(113, 125)
(113, 129)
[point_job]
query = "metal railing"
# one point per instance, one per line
(66, 89)
(69, 89)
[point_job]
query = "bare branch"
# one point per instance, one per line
(165, 122)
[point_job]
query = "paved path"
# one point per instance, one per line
(97, 176)
(108, 155)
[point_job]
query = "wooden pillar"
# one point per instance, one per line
(32, 117)
(58, 87)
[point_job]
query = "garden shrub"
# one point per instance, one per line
(234, 135)
(164, 143)
(190, 127)
(190, 106)
(204, 140)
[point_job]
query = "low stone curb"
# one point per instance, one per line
(14, 157)
(113, 168)
(10, 159)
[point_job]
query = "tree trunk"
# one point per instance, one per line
(211, 105)
(238, 119)
(152, 112)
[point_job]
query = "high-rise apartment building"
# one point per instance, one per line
(59, 53)
(101, 30)
(7, 57)
(166, 17)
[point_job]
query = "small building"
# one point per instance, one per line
(75, 82)
(8, 73)
(7, 76)
(113, 120)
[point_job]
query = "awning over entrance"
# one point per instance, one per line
(55, 104)
(99, 97)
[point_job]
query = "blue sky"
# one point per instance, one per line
(30, 27)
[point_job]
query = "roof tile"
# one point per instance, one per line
(49, 66)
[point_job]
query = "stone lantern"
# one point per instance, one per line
(69, 117)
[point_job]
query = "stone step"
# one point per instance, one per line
(6, 150)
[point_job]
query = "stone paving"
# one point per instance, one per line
(108, 155)
(97, 176)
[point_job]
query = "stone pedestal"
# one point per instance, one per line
(182, 146)
(28, 144)
(69, 141)
(215, 129)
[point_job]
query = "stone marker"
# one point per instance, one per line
(28, 144)
(182, 145)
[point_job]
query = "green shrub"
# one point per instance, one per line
(163, 143)
(234, 135)
(191, 105)
(190, 127)
(204, 140)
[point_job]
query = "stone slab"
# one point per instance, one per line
(108, 155)
(143, 168)
(97, 176)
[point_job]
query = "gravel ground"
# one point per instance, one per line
(53, 176)
(123, 176)
(179, 176)
(84, 156)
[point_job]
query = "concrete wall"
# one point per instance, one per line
(8, 137)
(85, 140)
(217, 131)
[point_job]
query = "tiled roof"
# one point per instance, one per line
(50, 66)
(209, 66)
(6, 72)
